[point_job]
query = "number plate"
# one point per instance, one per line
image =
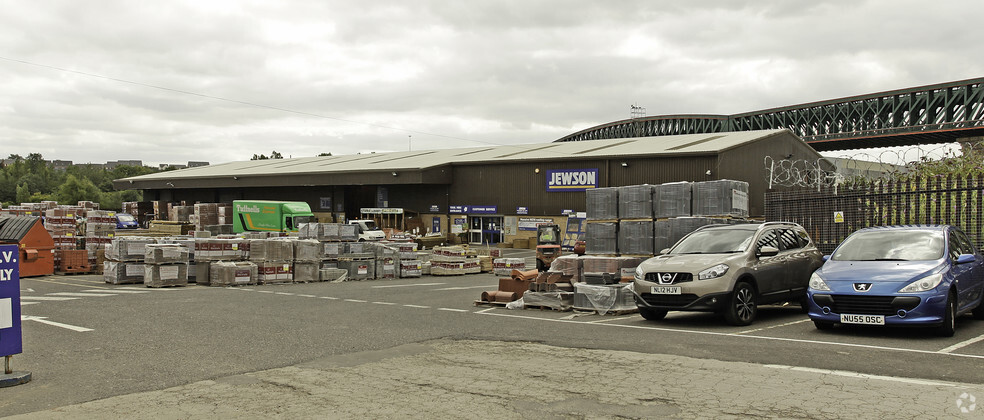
(666, 290)
(863, 319)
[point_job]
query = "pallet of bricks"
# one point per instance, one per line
(273, 258)
(410, 263)
(335, 240)
(63, 227)
(554, 288)
(454, 260)
(100, 229)
(216, 218)
(227, 253)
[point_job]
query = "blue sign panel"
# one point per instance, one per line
(436, 224)
(10, 313)
(522, 210)
(473, 209)
(571, 179)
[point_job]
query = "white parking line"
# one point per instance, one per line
(774, 326)
(80, 294)
(285, 293)
(28, 303)
(417, 306)
(453, 310)
(720, 334)
(859, 375)
(407, 285)
(356, 300)
(465, 288)
(119, 291)
(957, 346)
(385, 303)
(329, 297)
(310, 296)
(44, 320)
(150, 289)
(54, 298)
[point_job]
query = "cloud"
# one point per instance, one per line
(222, 80)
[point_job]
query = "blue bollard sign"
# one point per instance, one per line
(10, 311)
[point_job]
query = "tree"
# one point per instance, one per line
(23, 194)
(325, 154)
(75, 190)
(273, 155)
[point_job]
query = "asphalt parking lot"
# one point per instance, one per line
(86, 340)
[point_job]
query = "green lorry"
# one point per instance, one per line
(269, 216)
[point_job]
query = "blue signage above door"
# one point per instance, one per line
(473, 209)
(571, 179)
(10, 313)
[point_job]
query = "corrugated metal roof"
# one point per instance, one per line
(424, 159)
(15, 228)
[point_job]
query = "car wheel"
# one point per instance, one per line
(741, 308)
(823, 325)
(653, 314)
(947, 328)
(979, 310)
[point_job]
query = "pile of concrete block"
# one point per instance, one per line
(165, 265)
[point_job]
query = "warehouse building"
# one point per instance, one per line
(489, 194)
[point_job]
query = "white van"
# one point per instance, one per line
(368, 231)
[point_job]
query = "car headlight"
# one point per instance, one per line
(639, 273)
(926, 283)
(713, 272)
(817, 283)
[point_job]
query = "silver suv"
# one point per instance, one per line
(728, 269)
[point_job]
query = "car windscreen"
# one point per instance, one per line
(299, 220)
(370, 225)
(715, 241)
(891, 245)
(125, 217)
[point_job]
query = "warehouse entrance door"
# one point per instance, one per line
(485, 229)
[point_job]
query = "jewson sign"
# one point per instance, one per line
(571, 179)
(10, 322)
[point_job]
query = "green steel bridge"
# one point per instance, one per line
(933, 114)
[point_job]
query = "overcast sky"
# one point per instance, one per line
(219, 81)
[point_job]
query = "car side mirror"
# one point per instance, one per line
(664, 251)
(966, 258)
(768, 251)
(826, 257)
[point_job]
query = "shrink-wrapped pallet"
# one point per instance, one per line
(723, 197)
(602, 203)
(307, 250)
(332, 249)
(568, 265)
(118, 272)
(601, 238)
(333, 274)
(604, 298)
(348, 232)
(635, 202)
(274, 272)
(157, 275)
(128, 248)
(306, 272)
(274, 249)
(386, 268)
(165, 254)
(232, 273)
(635, 237)
(673, 199)
(364, 269)
(505, 266)
(411, 268)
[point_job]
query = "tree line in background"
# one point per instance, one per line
(31, 179)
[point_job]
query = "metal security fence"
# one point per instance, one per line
(830, 213)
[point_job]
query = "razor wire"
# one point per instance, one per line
(875, 165)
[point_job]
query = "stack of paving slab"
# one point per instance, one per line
(165, 265)
(125, 260)
(642, 220)
(340, 250)
(100, 229)
(209, 250)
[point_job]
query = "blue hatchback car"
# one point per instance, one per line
(899, 275)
